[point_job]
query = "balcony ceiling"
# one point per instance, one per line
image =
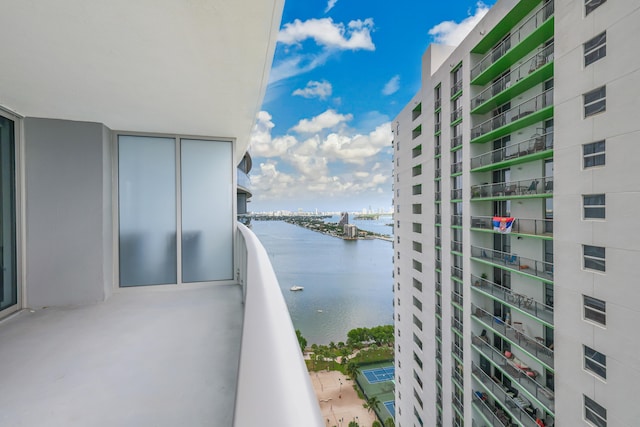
(197, 67)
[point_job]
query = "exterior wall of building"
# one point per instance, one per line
(519, 296)
(68, 212)
(618, 126)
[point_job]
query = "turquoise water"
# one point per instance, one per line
(347, 284)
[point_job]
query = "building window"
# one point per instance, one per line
(417, 227)
(417, 303)
(595, 101)
(417, 284)
(417, 322)
(594, 257)
(593, 154)
(595, 48)
(594, 413)
(593, 206)
(417, 265)
(595, 310)
(591, 5)
(595, 362)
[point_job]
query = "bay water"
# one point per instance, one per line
(347, 284)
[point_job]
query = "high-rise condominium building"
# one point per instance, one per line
(129, 292)
(515, 187)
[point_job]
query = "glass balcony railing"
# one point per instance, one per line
(456, 219)
(526, 187)
(535, 144)
(457, 350)
(457, 325)
(437, 127)
(243, 179)
(456, 168)
(457, 298)
(456, 402)
(517, 336)
(284, 389)
(542, 57)
(456, 87)
(490, 412)
(513, 299)
(438, 287)
(515, 406)
(456, 141)
(456, 246)
(438, 220)
(457, 272)
(437, 104)
(437, 241)
(529, 383)
(439, 309)
(437, 196)
(436, 150)
(456, 194)
(513, 261)
(437, 173)
(524, 109)
(456, 114)
(517, 35)
(536, 227)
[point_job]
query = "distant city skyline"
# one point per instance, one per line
(342, 70)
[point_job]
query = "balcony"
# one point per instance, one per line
(544, 395)
(531, 227)
(517, 408)
(532, 32)
(438, 220)
(437, 104)
(514, 154)
(541, 269)
(439, 309)
(524, 303)
(456, 246)
(456, 272)
(437, 196)
(456, 168)
(456, 194)
(455, 88)
(437, 127)
(533, 110)
(533, 70)
(457, 404)
(457, 325)
(457, 298)
(437, 241)
(456, 141)
(517, 336)
(160, 356)
(456, 114)
(536, 187)
(493, 415)
(437, 173)
(457, 350)
(436, 150)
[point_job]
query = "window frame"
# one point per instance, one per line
(593, 407)
(596, 155)
(591, 5)
(592, 365)
(590, 305)
(590, 206)
(595, 101)
(591, 258)
(595, 49)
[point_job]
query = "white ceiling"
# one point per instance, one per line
(196, 67)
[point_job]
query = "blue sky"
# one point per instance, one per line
(343, 69)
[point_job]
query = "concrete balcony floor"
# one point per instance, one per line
(163, 356)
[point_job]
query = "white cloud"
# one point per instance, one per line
(452, 33)
(327, 120)
(298, 64)
(330, 5)
(314, 89)
(392, 86)
(338, 165)
(355, 36)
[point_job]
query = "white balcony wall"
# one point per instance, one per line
(273, 383)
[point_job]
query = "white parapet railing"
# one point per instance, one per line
(274, 387)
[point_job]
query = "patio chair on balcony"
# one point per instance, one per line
(511, 259)
(548, 187)
(510, 189)
(533, 187)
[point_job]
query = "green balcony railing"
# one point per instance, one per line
(536, 144)
(513, 261)
(527, 187)
(535, 227)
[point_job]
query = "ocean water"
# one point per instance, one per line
(347, 284)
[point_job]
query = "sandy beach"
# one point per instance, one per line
(339, 404)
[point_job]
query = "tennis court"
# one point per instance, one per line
(391, 407)
(379, 375)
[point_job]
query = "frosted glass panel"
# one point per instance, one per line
(207, 211)
(147, 192)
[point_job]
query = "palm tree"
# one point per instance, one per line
(372, 403)
(389, 422)
(353, 370)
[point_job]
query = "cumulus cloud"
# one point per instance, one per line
(391, 86)
(452, 33)
(340, 164)
(315, 89)
(330, 5)
(327, 120)
(355, 35)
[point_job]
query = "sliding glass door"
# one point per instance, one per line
(175, 210)
(8, 253)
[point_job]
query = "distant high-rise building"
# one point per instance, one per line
(514, 179)
(344, 218)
